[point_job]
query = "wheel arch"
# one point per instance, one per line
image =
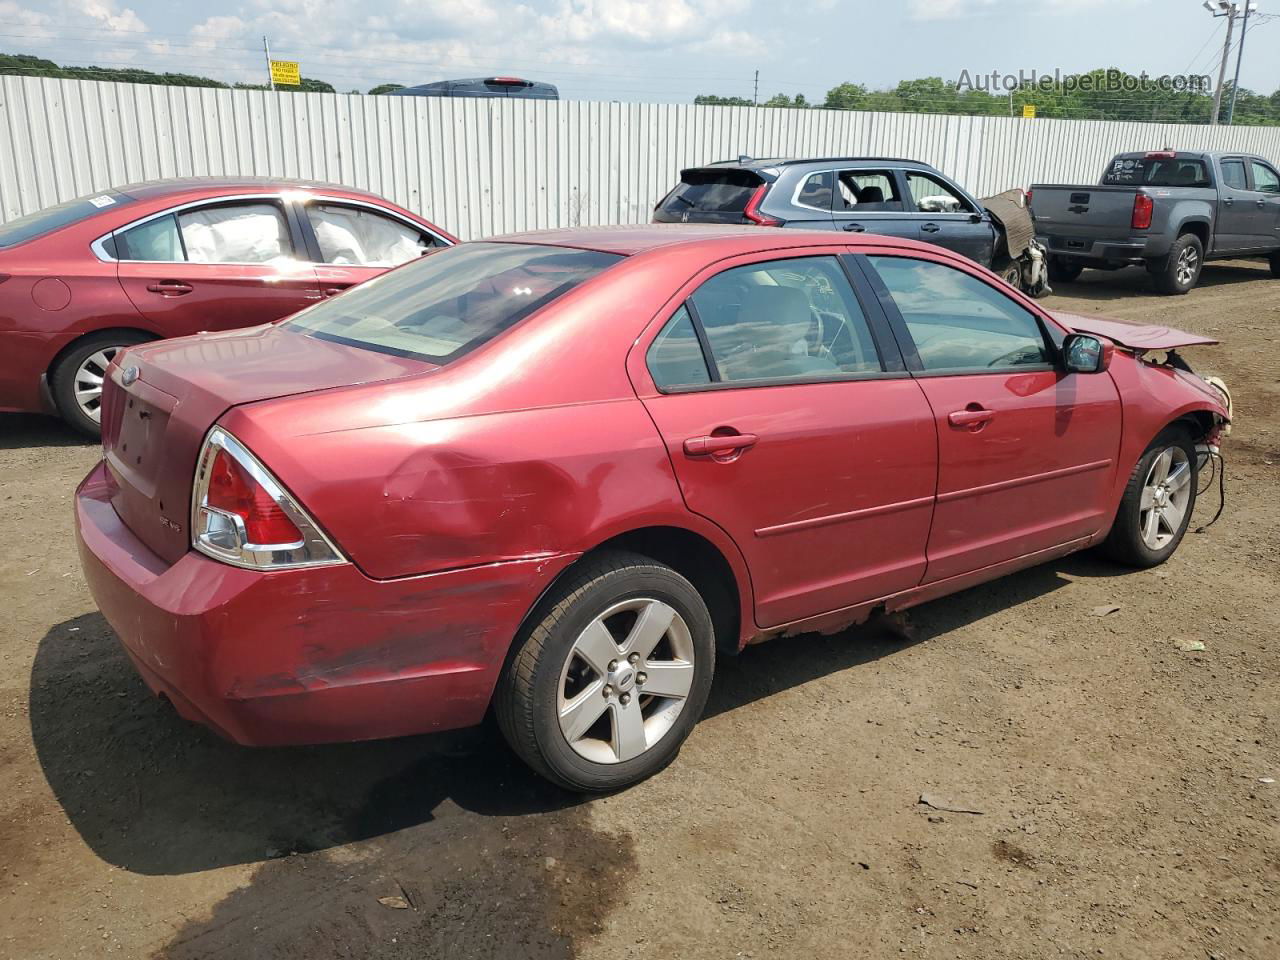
(81, 338)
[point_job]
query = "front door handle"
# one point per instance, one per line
(709, 446)
(973, 419)
(930, 228)
(332, 291)
(1262, 203)
(1228, 201)
(855, 228)
(170, 288)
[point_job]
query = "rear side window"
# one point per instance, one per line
(449, 303)
(46, 221)
(817, 190)
(675, 358)
(858, 190)
(1157, 172)
(1265, 179)
(1233, 174)
(958, 323)
(794, 319)
(156, 240)
(710, 196)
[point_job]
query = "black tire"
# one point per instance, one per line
(62, 380)
(1125, 543)
(526, 699)
(1170, 277)
(1010, 271)
(1275, 265)
(1064, 271)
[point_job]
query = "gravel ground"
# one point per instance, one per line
(1120, 780)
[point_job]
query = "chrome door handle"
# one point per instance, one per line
(855, 228)
(930, 228)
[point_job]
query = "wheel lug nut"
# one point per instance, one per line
(613, 665)
(626, 698)
(641, 678)
(608, 690)
(634, 658)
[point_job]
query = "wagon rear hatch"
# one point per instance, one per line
(710, 195)
(163, 397)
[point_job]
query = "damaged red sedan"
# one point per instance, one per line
(560, 473)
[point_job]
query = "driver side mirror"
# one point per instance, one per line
(1086, 353)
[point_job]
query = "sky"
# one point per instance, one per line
(641, 50)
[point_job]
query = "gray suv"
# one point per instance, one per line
(885, 195)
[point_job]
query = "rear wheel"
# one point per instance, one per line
(1064, 271)
(1158, 502)
(78, 378)
(1180, 273)
(612, 677)
(1275, 264)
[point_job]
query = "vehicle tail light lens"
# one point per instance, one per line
(1028, 196)
(240, 514)
(1160, 155)
(752, 210)
(1142, 206)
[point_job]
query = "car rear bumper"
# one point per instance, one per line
(1118, 250)
(305, 656)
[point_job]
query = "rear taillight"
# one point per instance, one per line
(1142, 206)
(752, 210)
(1028, 196)
(241, 515)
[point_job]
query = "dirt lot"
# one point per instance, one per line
(1119, 778)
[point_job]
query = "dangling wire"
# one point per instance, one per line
(1220, 468)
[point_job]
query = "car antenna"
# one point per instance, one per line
(743, 158)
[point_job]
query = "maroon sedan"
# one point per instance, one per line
(80, 280)
(560, 473)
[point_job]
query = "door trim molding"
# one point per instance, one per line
(796, 525)
(1023, 481)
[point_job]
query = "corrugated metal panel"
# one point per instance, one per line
(482, 167)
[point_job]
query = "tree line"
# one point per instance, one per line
(1074, 101)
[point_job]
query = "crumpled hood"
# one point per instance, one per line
(1135, 336)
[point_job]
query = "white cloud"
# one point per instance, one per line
(947, 9)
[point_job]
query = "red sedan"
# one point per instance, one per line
(562, 472)
(80, 280)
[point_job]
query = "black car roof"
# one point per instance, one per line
(752, 163)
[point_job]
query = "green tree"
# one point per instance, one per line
(847, 96)
(711, 100)
(782, 100)
(385, 88)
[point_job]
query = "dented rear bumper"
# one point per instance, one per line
(308, 655)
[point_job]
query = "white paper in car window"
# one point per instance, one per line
(244, 233)
(348, 235)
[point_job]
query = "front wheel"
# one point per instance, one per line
(1064, 271)
(612, 676)
(1010, 271)
(1158, 502)
(1275, 265)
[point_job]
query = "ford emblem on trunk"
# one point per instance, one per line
(129, 376)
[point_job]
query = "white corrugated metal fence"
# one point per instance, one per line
(484, 167)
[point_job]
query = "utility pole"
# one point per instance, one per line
(755, 95)
(1235, 84)
(266, 49)
(1221, 8)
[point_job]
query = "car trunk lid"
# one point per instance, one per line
(1134, 336)
(163, 397)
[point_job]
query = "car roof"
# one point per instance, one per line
(727, 239)
(178, 186)
(752, 163)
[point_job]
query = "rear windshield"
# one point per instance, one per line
(713, 195)
(1156, 172)
(448, 303)
(49, 219)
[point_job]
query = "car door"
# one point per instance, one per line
(1266, 214)
(948, 218)
(791, 423)
(214, 266)
(350, 242)
(871, 201)
(1026, 452)
(1234, 228)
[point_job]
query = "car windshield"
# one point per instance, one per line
(61, 215)
(1157, 172)
(451, 302)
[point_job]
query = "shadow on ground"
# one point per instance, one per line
(32, 430)
(1130, 282)
(491, 861)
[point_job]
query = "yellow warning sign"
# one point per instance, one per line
(286, 72)
(1028, 109)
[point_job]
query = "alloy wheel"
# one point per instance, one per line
(1188, 264)
(1166, 494)
(625, 681)
(88, 382)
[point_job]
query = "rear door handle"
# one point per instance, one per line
(855, 228)
(332, 291)
(970, 418)
(1228, 201)
(930, 228)
(1262, 203)
(170, 288)
(707, 446)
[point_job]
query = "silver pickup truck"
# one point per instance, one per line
(1168, 210)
